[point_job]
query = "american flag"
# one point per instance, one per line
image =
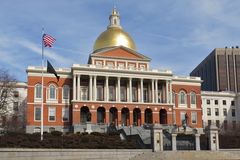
(48, 40)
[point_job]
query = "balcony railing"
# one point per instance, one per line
(122, 68)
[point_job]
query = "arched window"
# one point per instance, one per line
(182, 97)
(52, 93)
(65, 92)
(193, 98)
(38, 91)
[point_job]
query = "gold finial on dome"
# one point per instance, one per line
(114, 35)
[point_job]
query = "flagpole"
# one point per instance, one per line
(42, 85)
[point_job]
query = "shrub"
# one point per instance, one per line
(84, 133)
(56, 133)
(97, 134)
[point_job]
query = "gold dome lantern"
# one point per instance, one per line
(114, 35)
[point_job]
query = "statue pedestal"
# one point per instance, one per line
(89, 127)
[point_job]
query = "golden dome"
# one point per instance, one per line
(114, 35)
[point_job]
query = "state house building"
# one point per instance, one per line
(116, 87)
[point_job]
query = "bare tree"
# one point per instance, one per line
(7, 86)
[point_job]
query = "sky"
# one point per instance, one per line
(175, 34)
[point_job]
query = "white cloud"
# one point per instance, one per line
(50, 54)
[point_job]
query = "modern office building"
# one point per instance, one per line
(116, 87)
(220, 70)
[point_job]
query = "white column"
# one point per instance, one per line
(74, 87)
(106, 89)
(174, 142)
(127, 92)
(141, 84)
(119, 90)
(153, 99)
(170, 88)
(90, 88)
(167, 92)
(78, 87)
(197, 142)
(130, 89)
(94, 88)
(156, 90)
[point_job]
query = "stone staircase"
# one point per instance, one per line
(143, 136)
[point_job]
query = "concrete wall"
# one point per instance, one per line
(190, 155)
(69, 154)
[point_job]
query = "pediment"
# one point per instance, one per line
(121, 52)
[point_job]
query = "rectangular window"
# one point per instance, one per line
(110, 64)
(99, 93)
(232, 103)
(208, 101)
(209, 122)
(216, 102)
(224, 102)
(84, 93)
(134, 94)
(112, 93)
(182, 114)
(145, 94)
(193, 98)
(52, 113)
(121, 65)
(37, 113)
(123, 93)
(38, 91)
(233, 113)
(216, 112)
(65, 92)
(131, 66)
(225, 111)
(218, 123)
(65, 113)
(52, 92)
(99, 63)
(209, 111)
(194, 117)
